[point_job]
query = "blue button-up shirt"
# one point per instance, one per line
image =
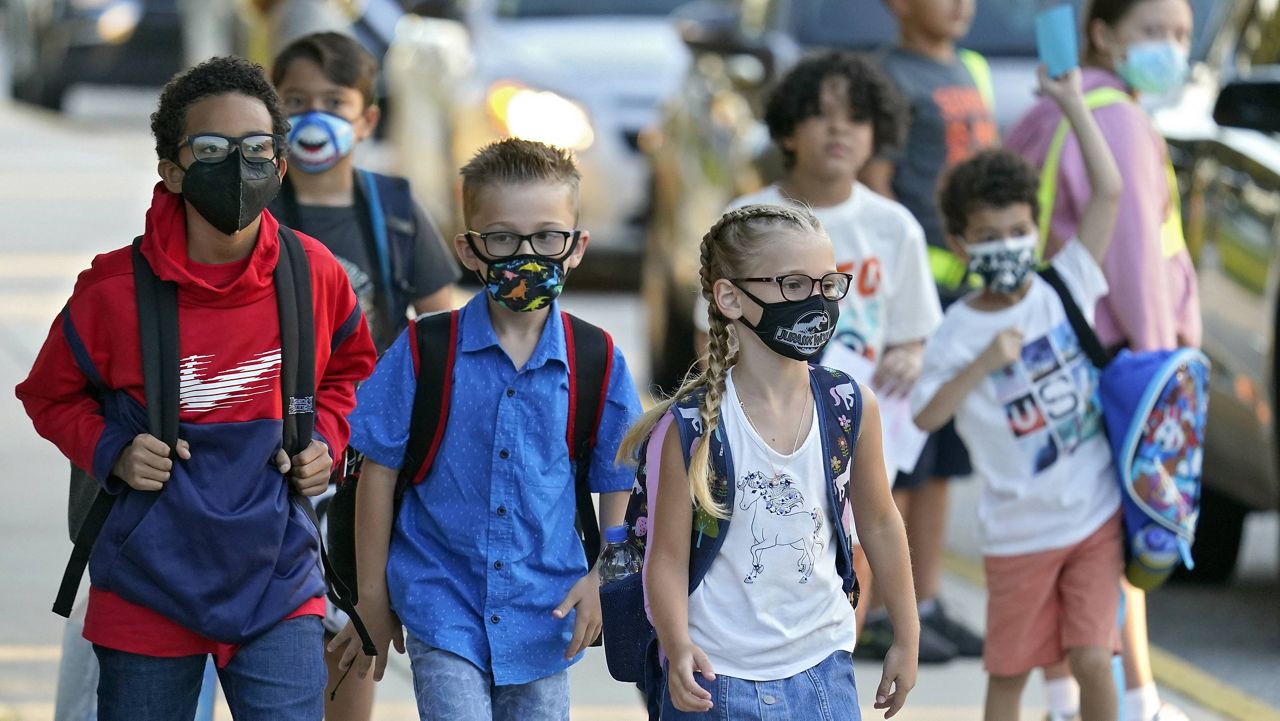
(484, 549)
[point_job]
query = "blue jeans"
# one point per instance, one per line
(278, 676)
(825, 692)
(449, 687)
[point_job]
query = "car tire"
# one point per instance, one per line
(1217, 546)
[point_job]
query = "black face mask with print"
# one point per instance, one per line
(797, 329)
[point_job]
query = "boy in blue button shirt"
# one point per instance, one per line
(483, 566)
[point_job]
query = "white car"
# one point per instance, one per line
(587, 75)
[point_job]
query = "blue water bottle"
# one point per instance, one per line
(620, 558)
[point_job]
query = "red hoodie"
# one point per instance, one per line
(230, 399)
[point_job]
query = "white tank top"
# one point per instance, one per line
(772, 604)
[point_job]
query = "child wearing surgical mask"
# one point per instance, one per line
(1007, 366)
(762, 627)
(392, 252)
(1135, 57)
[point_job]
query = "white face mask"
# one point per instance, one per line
(1003, 265)
(1157, 67)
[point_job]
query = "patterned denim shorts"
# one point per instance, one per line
(825, 692)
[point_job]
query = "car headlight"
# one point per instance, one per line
(117, 22)
(539, 115)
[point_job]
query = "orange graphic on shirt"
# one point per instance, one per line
(968, 122)
(866, 275)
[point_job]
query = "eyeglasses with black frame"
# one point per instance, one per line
(504, 243)
(798, 286)
(214, 148)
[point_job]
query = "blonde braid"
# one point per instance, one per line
(723, 249)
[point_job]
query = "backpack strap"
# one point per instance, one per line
(707, 533)
(839, 424)
(373, 219)
(1089, 341)
(157, 303)
(297, 342)
(590, 353)
(435, 350)
(298, 388)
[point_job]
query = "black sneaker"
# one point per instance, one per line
(877, 637)
(967, 643)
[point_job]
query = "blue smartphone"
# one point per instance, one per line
(1056, 39)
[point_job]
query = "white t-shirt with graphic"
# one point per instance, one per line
(1033, 429)
(772, 604)
(893, 298)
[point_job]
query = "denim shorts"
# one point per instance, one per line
(448, 687)
(825, 692)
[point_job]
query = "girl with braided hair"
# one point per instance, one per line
(770, 621)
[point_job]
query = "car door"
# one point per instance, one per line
(1234, 233)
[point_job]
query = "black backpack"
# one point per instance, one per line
(157, 302)
(590, 353)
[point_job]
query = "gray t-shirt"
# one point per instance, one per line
(339, 229)
(949, 123)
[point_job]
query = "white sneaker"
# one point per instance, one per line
(1169, 712)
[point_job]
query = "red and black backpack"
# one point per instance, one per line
(434, 349)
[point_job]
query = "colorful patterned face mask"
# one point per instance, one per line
(1003, 265)
(525, 283)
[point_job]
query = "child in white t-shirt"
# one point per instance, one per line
(829, 115)
(1007, 365)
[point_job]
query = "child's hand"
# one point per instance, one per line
(384, 628)
(898, 679)
(898, 370)
(684, 691)
(309, 471)
(1005, 348)
(145, 465)
(1065, 90)
(585, 597)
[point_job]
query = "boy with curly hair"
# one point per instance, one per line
(206, 550)
(829, 116)
(1007, 365)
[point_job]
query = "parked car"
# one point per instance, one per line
(583, 74)
(1228, 160)
(53, 44)
(712, 146)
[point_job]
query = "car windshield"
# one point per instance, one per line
(1000, 27)
(556, 8)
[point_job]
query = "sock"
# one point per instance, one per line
(927, 607)
(1142, 703)
(1064, 696)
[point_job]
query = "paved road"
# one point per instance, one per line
(72, 187)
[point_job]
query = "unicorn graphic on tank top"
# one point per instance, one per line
(779, 520)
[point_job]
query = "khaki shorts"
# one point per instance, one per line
(1040, 605)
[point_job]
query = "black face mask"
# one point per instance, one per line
(231, 193)
(796, 329)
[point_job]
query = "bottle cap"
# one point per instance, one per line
(615, 534)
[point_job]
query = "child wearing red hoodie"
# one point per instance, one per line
(208, 554)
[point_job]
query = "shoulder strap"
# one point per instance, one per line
(297, 342)
(157, 303)
(840, 424)
(980, 70)
(590, 353)
(1089, 342)
(434, 348)
(373, 218)
(298, 388)
(1048, 195)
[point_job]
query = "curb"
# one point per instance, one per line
(1170, 670)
